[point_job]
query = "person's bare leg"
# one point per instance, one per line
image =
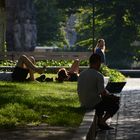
(106, 117)
(75, 67)
(31, 72)
(102, 120)
(25, 62)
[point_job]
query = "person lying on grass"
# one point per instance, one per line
(25, 66)
(69, 75)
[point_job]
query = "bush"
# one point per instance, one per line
(113, 74)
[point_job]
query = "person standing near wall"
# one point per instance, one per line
(100, 50)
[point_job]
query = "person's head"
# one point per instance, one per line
(32, 59)
(62, 75)
(95, 61)
(101, 44)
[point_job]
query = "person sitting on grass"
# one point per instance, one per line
(93, 95)
(69, 75)
(25, 66)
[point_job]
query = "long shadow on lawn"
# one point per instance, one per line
(15, 94)
(62, 111)
(10, 93)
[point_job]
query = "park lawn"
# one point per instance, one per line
(55, 104)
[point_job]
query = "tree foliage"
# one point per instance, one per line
(84, 28)
(53, 14)
(49, 21)
(116, 21)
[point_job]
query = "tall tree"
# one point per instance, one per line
(84, 23)
(49, 21)
(52, 16)
(114, 23)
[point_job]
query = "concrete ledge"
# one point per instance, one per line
(87, 129)
(130, 72)
(5, 76)
(6, 68)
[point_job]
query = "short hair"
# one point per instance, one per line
(94, 58)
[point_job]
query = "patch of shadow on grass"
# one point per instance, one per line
(10, 94)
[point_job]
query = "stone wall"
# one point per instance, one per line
(21, 32)
(2, 25)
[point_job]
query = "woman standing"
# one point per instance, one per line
(100, 50)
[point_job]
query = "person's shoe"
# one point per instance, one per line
(41, 78)
(105, 127)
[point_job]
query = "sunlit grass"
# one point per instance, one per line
(34, 103)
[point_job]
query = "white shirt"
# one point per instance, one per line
(90, 85)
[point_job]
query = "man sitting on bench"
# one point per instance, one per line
(93, 95)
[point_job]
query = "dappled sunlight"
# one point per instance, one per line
(126, 122)
(130, 120)
(129, 117)
(34, 100)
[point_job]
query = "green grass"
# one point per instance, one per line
(30, 103)
(53, 103)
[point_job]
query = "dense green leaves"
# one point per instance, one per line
(116, 21)
(113, 74)
(49, 19)
(84, 27)
(52, 17)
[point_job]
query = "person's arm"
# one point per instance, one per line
(110, 97)
(75, 67)
(31, 73)
(104, 93)
(100, 85)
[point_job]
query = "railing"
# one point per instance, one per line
(46, 55)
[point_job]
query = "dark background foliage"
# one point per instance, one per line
(116, 21)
